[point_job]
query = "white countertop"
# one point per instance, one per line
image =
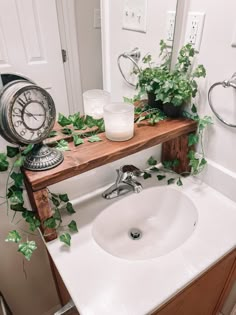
(101, 284)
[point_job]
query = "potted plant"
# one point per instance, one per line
(148, 78)
(172, 88)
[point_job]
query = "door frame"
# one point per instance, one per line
(69, 42)
(106, 53)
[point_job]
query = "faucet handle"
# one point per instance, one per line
(131, 170)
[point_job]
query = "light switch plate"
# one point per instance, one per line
(135, 15)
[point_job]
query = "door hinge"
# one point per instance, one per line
(64, 55)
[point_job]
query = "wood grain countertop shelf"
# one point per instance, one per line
(91, 155)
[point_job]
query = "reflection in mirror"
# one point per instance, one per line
(118, 40)
(59, 45)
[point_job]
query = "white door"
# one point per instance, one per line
(30, 45)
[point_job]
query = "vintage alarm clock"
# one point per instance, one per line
(27, 115)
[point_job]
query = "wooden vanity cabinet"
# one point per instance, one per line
(207, 294)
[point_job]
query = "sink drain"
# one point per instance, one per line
(135, 234)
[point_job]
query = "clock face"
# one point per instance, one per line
(31, 114)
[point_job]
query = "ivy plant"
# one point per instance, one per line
(76, 126)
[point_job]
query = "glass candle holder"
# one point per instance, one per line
(94, 101)
(119, 121)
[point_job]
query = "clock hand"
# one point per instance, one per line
(30, 115)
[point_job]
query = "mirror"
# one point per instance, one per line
(91, 42)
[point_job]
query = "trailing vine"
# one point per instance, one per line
(76, 126)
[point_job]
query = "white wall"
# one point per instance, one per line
(121, 41)
(89, 42)
(219, 58)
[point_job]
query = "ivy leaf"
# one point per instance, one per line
(151, 161)
(69, 208)
(55, 201)
(52, 133)
(79, 123)
(94, 138)
(3, 162)
(155, 169)
(30, 218)
(12, 151)
(128, 100)
(171, 181)
(63, 120)
(66, 131)
(73, 118)
(18, 207)
(161, 177)
(100, 124)
(146, 175)
(64, 197)
(13, 236)
(203, 162)
(73, 226)
(20, 161)
(27, 249)
(57, 215)
(167, 164)
(65, 238)
(194, 109)
(192, 139)
(90, 121)
(179, 182)
(15, 194)
(18, 179)
(50, 223)
(204, 122)
(62, 145)
(28, 149)
(77, 140)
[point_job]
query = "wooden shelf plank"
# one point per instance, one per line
(91, 155)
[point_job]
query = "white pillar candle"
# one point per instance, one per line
(119, 121)
(94, 101)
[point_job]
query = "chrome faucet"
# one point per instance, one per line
(125, 182)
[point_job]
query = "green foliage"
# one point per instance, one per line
(15, 195)
(94, 138)
(50, 223)
(69, 208)
(20, 161)
(179, 182)
(170, 164)
(27, 149)
(27, 249)
(64, 197)
(73, 226)
(52, 133)
(161, 177)
(3, 162)
(30, 218)
(62, 145)
(12, 151)
(170, 181)
(147, 175)
(151, 161)
(17, 178)
(13, 236)
(63, 120)
(65, 238)
(77, 140)
(176, 86)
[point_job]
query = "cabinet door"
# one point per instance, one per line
(202, 296)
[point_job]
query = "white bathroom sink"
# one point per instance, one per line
(145, 225)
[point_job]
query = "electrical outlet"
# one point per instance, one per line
(135, 15)
(194, 30)
(170, 25)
